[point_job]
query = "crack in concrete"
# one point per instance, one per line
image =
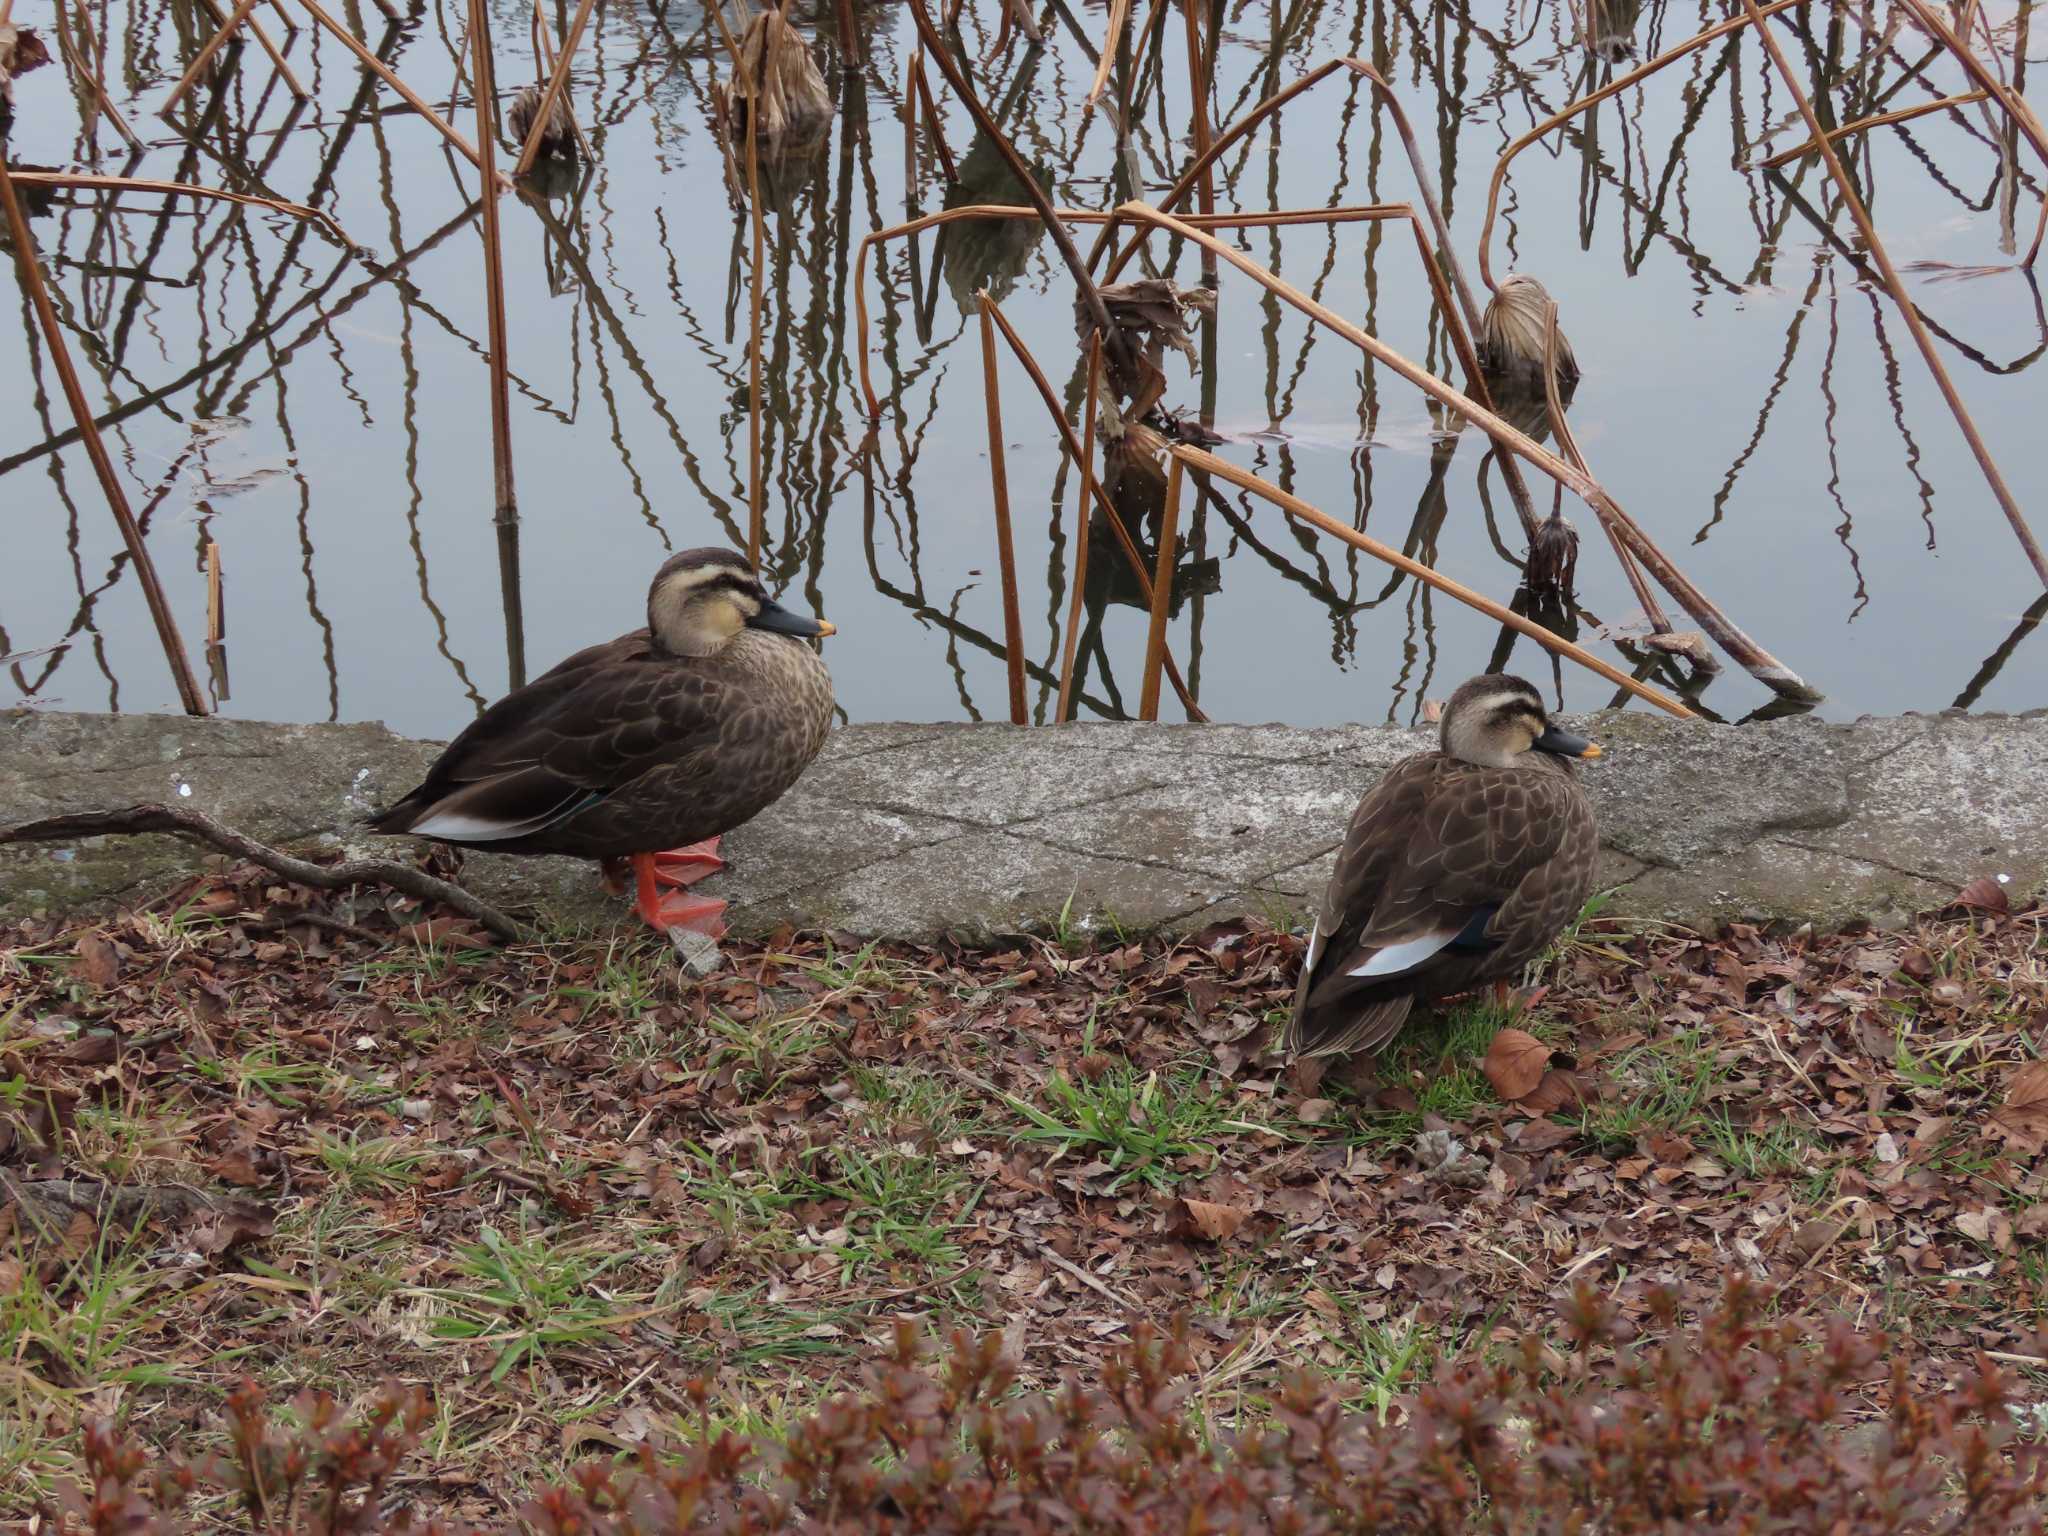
(1135, 860)
(1863, 858)
(897, 809)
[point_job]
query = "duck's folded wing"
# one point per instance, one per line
(1404, 905)
(559, 746)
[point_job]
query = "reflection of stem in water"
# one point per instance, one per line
(1897, 398)
(1763, 415)
(1824, 227)
(1827, 394)
(1893, 284)
(953, 629)
(601, 307)
(1995, 662)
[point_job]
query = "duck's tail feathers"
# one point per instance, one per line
(1333, 1029)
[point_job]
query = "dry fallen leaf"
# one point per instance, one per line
(1515, 1063)
(2023, 1120)
(1213, 1221)
(1984, 894)
(99, 962)
(1311, 1111)
(1557, 1090)
(1542, 1135)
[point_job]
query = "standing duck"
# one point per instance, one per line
(1458, 869)
(663, 739)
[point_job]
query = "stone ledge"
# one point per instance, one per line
(908, 831)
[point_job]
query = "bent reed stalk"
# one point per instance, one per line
(31, 273)
(1853, 201)
(1760, 664)
(999, 485)
(1294, 506)
(1132, 556)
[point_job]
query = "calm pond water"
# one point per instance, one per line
(321, 413)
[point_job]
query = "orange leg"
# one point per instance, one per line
(1501, 993)
(697, 913)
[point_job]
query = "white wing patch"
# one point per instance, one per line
(456, 827)
(1315, 945)
(1406, 955)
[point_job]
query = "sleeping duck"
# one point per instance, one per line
(1458, 869)
(642, 751)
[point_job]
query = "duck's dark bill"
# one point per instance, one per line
(1565, 744)
(773, 616)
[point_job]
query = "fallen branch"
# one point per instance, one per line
(50, 1204)
(198, 827)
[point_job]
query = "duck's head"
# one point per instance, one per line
(703, 598)
(1492, 720)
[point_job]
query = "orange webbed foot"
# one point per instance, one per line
(679, 867)
(662, 911)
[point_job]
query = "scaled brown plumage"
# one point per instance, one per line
(664, 737)
(1454, 872)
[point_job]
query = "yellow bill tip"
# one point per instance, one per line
(826, 628)
(1592, 750)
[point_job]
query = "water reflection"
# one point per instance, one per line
(311, 410)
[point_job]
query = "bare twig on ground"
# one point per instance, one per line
(197, 826)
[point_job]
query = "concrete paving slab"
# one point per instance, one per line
(912, 830)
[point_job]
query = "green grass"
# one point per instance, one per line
(900, 1096)
(261, 1071)
(1665, 1086)
(527, 1294)
(1143, 1128)
(1756, 1154)
(377, 1165)
(901, 1209)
